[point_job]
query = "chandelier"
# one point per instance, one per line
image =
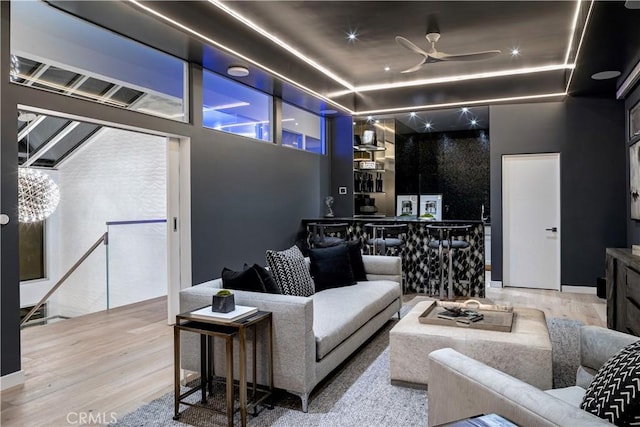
(38, 195)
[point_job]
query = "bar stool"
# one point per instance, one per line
(324, 235)
(447, 237)
(386, 236)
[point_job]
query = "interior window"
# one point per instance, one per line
(232, 107)
(302, 130)
(31, 244)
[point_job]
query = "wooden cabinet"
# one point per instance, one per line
(623, 291)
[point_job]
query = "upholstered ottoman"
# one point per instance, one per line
(524, 353)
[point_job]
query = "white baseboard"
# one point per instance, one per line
(579, 289)
(11, 380)
(496, 284)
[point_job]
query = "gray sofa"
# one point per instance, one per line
(311, 335)
(461, 387)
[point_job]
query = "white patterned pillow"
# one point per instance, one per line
(290, 271)
(614, 393)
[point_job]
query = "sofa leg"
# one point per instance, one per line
(305, 402)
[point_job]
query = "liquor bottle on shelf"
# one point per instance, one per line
(370, 183)
(356, 182)
(379, 182)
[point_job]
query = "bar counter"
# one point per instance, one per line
(420, 264)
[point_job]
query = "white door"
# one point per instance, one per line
(531, 220)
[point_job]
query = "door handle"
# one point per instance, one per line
(552, 229)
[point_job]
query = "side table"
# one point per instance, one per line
(208, 329)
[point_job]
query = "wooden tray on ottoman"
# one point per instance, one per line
(496, 317)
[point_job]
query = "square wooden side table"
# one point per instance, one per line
(208, 328)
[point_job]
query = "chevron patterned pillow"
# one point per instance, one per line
(614, 393)
(290, 272)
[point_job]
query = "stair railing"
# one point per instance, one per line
(103, 239)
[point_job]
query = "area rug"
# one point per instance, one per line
(357, 394)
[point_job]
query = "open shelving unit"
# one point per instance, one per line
(374, 163)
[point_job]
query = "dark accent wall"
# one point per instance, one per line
(342, 165)
(9, 265)
(589, 135)
(454, 164)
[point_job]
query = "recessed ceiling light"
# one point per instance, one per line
(473, 122)
(464, 109)
(515, 51)
(387, 68)
(238, 71)
(428, 125)
(412, 114)
(352, 36)
(605, 75)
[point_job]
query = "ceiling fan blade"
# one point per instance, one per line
(472, 56)
(410, 46)
(415, 67)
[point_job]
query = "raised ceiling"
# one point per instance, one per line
(547, 34)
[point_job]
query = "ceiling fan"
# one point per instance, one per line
(432, 55)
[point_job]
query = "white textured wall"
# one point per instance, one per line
(118, 176)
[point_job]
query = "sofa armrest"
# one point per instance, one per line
(199, 295)
(460, 387)
(598, 344)
(294, 347)
(294, 343)
(379, 267)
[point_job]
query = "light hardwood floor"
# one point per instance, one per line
(110, 363)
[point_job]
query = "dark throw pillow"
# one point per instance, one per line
(267, 279)
(331, 267)
(355, 259)
(614, 393)
(290, 272)
(247, 280)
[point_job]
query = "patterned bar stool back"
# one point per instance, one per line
(324, 235)
(386, 238)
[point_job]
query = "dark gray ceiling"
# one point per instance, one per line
(318, 29)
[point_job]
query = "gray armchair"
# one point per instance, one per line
(461, 387)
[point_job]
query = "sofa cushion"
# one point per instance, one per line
(613, 393)
(291, 272)
(355, 259)
(339, 312)
(331, 267)
(269, 282)
(247, 280)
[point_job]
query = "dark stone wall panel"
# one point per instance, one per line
(454, 164)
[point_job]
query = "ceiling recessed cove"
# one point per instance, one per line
(238, 71)
(605, 75)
